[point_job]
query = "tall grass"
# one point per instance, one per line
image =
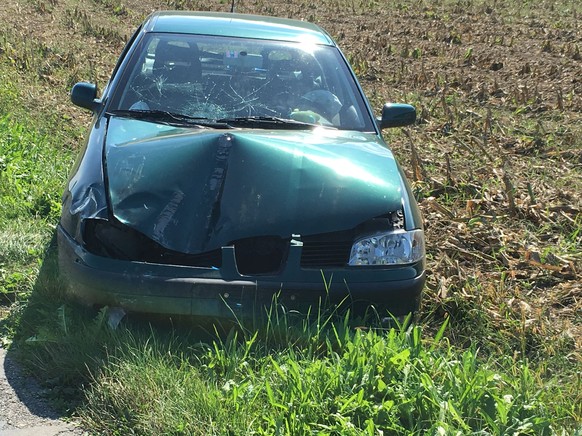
(352, 381)
(32, 174)
(33, 171)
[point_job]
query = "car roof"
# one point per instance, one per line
(236, 26)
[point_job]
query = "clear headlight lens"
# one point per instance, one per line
(393, 248)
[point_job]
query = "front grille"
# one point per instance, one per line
(327, 250)
(209, 259)
(260, 255)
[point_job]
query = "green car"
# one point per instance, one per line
(233, 158)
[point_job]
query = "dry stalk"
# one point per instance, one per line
(487, 127)
(476, 141)
(560, 99)
(531, 193)
(446, 107)
(450, 180)
(509, 190)
(417, 170)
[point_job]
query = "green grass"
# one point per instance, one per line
(326, 377)
(32, 175)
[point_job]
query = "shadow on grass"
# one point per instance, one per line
(59, 346)
(66, 346)
(33, 323)
(29, 376)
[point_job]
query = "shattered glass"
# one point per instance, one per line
(217, 78)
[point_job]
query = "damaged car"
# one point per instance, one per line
(233, 159)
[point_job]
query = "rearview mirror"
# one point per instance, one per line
(84, 95)
(397, 115)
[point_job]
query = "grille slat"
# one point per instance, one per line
(321, 253)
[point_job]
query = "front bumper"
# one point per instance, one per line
(224, 293)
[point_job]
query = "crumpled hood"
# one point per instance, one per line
(195, 190)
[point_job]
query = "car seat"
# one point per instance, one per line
(177, 62)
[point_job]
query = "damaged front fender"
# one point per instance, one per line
(85, 196)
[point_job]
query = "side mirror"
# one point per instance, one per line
(397, 115)
(84, 95)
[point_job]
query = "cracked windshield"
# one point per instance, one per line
(219, 78)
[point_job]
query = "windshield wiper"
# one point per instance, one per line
(265, 122)
(170, 118)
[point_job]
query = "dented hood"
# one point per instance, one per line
(195, 190)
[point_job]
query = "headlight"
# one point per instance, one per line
(394, 248)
